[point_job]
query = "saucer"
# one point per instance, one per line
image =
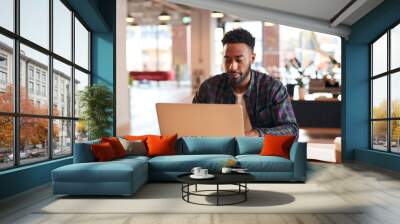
(208, 176)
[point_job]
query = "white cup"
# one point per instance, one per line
(203, 172)
(226, 170)
(196, 170)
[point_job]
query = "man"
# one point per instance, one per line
(266, 107)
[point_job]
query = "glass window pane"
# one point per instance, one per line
(395, 47)
(62, 138)
(379, 135)
(81, 45)
(379, 55)
(81, 131)
(395, 94)
(62, 89)
(379, 98)
(395, 136)
(35, 21)
(34, 96)
(33, 140)
(62, 29)
(6, 142)
(7, 14)
(6, 74)
(81, 81)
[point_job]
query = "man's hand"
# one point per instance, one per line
(252, 133)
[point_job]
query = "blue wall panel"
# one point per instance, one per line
(24, 178)
(356, 84)
(102, 58)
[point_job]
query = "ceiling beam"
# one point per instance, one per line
(172, 6)
(250, 12)
(346, 12)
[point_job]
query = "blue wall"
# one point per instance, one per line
(356, 84)
(99, 16)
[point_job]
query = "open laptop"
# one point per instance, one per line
(200, 119)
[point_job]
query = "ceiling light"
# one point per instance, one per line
(130, 19)
(164, 16)
(268, 24)
(163, 26)
(216, 14)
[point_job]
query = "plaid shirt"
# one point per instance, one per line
(267, 102)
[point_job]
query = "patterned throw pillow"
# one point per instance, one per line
(135, 147)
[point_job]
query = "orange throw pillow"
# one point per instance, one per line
(116, 145)
(161, 145)
(277, 145)
(103, 152)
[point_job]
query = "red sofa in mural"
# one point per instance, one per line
(152, 75)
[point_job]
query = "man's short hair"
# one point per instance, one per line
(239, 35)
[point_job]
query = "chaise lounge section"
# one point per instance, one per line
(125, 176)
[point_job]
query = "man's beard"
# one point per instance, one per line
(242, 76)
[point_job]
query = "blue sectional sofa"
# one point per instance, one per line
(125, 176)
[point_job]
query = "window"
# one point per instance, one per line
(62, 32)
(7, 14)
(3, 78)
(155, 51)
(30, 87)
(30, 72)
(44, 91)
(385, 97)
(81, 45)
(37, 75)
(54, 126)
(62, 74)
(38, 89)
(3, 61)
(34, 21)
(6, 73)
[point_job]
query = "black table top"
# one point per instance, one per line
(220, 178)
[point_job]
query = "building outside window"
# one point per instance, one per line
(385, 97)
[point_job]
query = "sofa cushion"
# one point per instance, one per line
(185, 163)
(257, 163)
(249, 145)
(206, 145)
(277, 145)
(111, 171)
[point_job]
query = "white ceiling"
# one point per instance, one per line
(316, 15)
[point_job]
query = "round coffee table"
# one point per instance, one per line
(238, 179)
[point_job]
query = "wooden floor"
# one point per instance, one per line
(378, 189)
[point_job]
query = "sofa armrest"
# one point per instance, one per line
(83, 152)
(298, 155)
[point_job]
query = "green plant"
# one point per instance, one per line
(96, 102)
